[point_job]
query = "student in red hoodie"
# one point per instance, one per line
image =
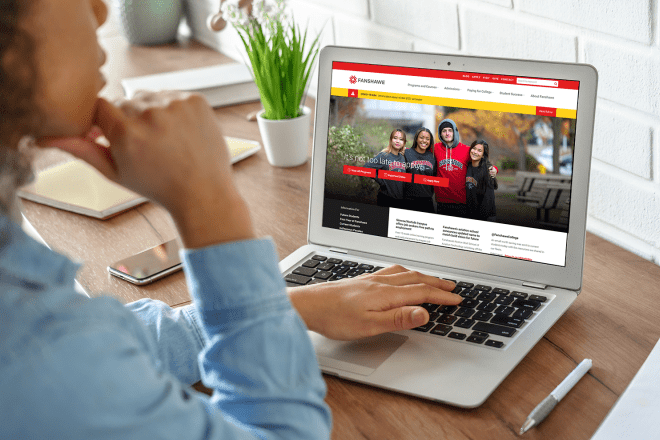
(452, 157)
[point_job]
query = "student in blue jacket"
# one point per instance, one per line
(74, 367)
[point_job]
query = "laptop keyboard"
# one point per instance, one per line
(488, 315)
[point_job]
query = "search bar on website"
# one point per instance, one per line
(537, 82)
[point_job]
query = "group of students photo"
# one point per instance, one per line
(469, 188)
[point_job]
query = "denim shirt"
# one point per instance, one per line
(79, 368)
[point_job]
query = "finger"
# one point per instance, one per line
(111, 120)
(413, 277)
(401, 318)
(414, 294)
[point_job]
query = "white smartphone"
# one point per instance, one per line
(149, 265)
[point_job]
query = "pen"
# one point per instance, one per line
(543, 409)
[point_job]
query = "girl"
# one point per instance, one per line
(421, 161)
(390, 158)
(101, 369)
(479, 185)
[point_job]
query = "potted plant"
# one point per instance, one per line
(281, 60)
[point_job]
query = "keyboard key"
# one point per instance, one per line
(469, 293)
(350, 263)
(340, 270)
(494, 329)
(457, 289)
(433, 316)
(486, 306)
(486, 296)
(508, 321)
(446, 319)
(526, 304)
(297, 279)
(521, 295)
(365, 266)
(325, 266)
(311, 263)
(476, 339)
(464, 313)
(447, 309)
(334, 260)
(501, 291)
(483, 288)
(482, 316)
(469, 303)
(464, 323)
(376, 269)
(464, 284)
(504, 310)
(319, 258)
(430, 307)
(456, 335)
(354, 273)
(441, 329)
(504, 299)
(522, 313)
(426, 327)
(323, 275)
(337, 277)
(494, 343)
(539, 298)
(480, 334)
(449, 279)
(307, 271)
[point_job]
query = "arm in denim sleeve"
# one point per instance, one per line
(258, 360)
(178, 335)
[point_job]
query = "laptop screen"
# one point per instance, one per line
(480, 162)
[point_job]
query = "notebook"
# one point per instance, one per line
(518, 271)
(78, 187)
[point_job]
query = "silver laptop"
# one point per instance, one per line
(518, 271)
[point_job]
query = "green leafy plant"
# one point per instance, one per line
(280, 55)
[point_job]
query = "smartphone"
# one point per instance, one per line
(149, 265)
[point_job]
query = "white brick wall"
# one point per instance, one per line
(620, 38)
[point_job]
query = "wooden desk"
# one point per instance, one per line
(615, 320)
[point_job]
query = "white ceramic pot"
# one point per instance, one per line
(286, 141)
(147, 22)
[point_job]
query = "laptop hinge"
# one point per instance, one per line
(339, 251)
(535, 285)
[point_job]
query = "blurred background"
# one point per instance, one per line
(620, 38)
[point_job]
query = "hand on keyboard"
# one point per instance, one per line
(373, 303)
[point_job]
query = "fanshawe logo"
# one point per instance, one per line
(397, 166)
(448, 164)
(354, 79)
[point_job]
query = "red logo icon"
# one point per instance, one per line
(352, 79)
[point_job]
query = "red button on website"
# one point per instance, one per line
(546, 111)
(352, 93)
(435, 181)
(359, 171)
(393, 175)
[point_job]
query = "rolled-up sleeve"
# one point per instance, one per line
(258, 359)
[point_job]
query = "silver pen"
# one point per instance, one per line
(543, 409)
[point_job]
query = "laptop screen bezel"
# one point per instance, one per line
(568, 276)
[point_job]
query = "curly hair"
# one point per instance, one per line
(18, 74)
(18, 111)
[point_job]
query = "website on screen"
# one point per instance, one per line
(473, 161)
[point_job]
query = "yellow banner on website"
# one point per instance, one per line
(451, 102)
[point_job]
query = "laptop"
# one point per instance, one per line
(518, 272)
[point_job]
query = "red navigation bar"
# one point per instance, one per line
(446, 74)
(359, 171)
(428, 180)
(393, 175)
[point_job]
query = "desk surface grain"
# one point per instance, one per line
(614, 321)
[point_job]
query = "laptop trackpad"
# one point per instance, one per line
(360, 357)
